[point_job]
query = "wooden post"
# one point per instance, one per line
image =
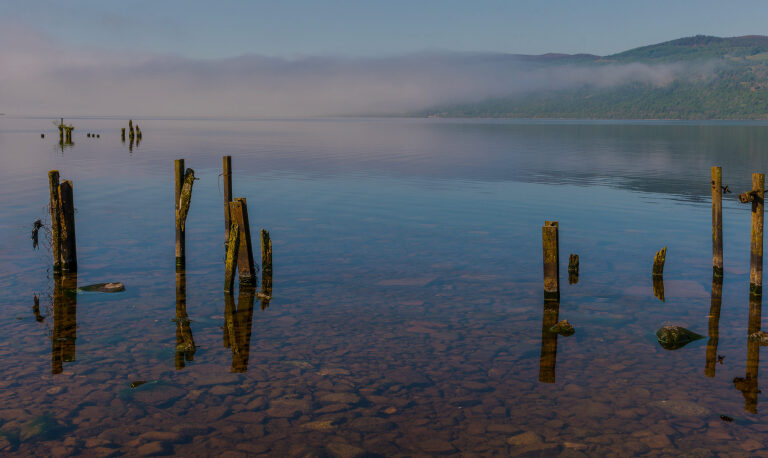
(68, 249)
(756, 251)
(658, 262)
(233, 251)
(717, 221)
(714, 325)
(227, 178)
(53, 184)
(122, 133)
(551, 246)
(180, 245)
(238, 211)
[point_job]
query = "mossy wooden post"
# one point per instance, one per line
(658, 262)
(756, 251)
(180, 245)
(717, 221)
(551, 246)
(68, 248)
(227, 178)
(238, 211)
(233, 251)
(714, 325)
(53, 184)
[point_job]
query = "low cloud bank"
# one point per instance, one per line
(40, 76)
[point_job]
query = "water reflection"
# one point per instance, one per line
(36, 310)
(748, 384)
(714, 325)
(266, 287)
(548, 342)
(185, 343)
(64, 321)
(658, 287)
(237, 326)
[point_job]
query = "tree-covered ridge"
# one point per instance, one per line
(734, 87)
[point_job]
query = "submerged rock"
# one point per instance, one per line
(674, 337)
(564, 328)
(681, 408)
(760, 337)
(108, 287)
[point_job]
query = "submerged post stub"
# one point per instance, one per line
(756, 248)
(658, 262)
(717, 221)
(550, 242)
(180, 242)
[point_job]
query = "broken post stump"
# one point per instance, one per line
(233, 250)
(68, 248)
(180, 245)
(551, 247)
(717, 221)
(658, 262)
(756, 249)
(238, 211)
(53, 184)
(227, 178)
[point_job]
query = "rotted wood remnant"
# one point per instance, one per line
(185, 198)
(658, 262)
(550, 242)
(238, 211)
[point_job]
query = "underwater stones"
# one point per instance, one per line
(40, 428)
(563, 327)
(681, 408)
(674, 337)
(761, 337)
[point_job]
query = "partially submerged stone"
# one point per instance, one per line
(674, 337)
(109, 287)
(761, 337)
(563, 327)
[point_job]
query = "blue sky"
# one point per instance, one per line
(290, 28)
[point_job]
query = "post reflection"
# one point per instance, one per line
(237, 329)
(64, 332)
(748, 384)
(658, 287)
(185, 343)
(266, 287)
(548, 358)
(714, 325)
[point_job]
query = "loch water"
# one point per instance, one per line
(407, 314)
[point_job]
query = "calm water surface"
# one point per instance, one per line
(407, 315)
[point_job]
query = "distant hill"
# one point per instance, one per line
(713, 78)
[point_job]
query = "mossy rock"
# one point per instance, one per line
(674, 337)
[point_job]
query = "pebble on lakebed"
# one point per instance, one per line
(674, 337)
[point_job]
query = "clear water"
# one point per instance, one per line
(407, 314)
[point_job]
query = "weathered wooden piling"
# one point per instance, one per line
(238, 211)
(68, 248)
(53, 184)
(658, 262)
(550, 242)
(227, 178)
(717, 221)
(716, 300)
(185, 199)
(573, 269)
(233, 251)
(180, 242)
(756, 249)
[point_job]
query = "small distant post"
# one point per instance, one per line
(717, 221)
(550, 239)
(122, 133)
(756, 251)
(53, 184)
(68, 247)
(227, 177)
(180, 242)
(238, 211)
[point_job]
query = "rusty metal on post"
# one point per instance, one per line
(180, 242)
(756, 248)
(717, 221)
(551, 248)
(227, 178)
(239, 214)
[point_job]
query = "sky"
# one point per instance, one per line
(283, 53)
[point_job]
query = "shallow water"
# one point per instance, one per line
(407, 315)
